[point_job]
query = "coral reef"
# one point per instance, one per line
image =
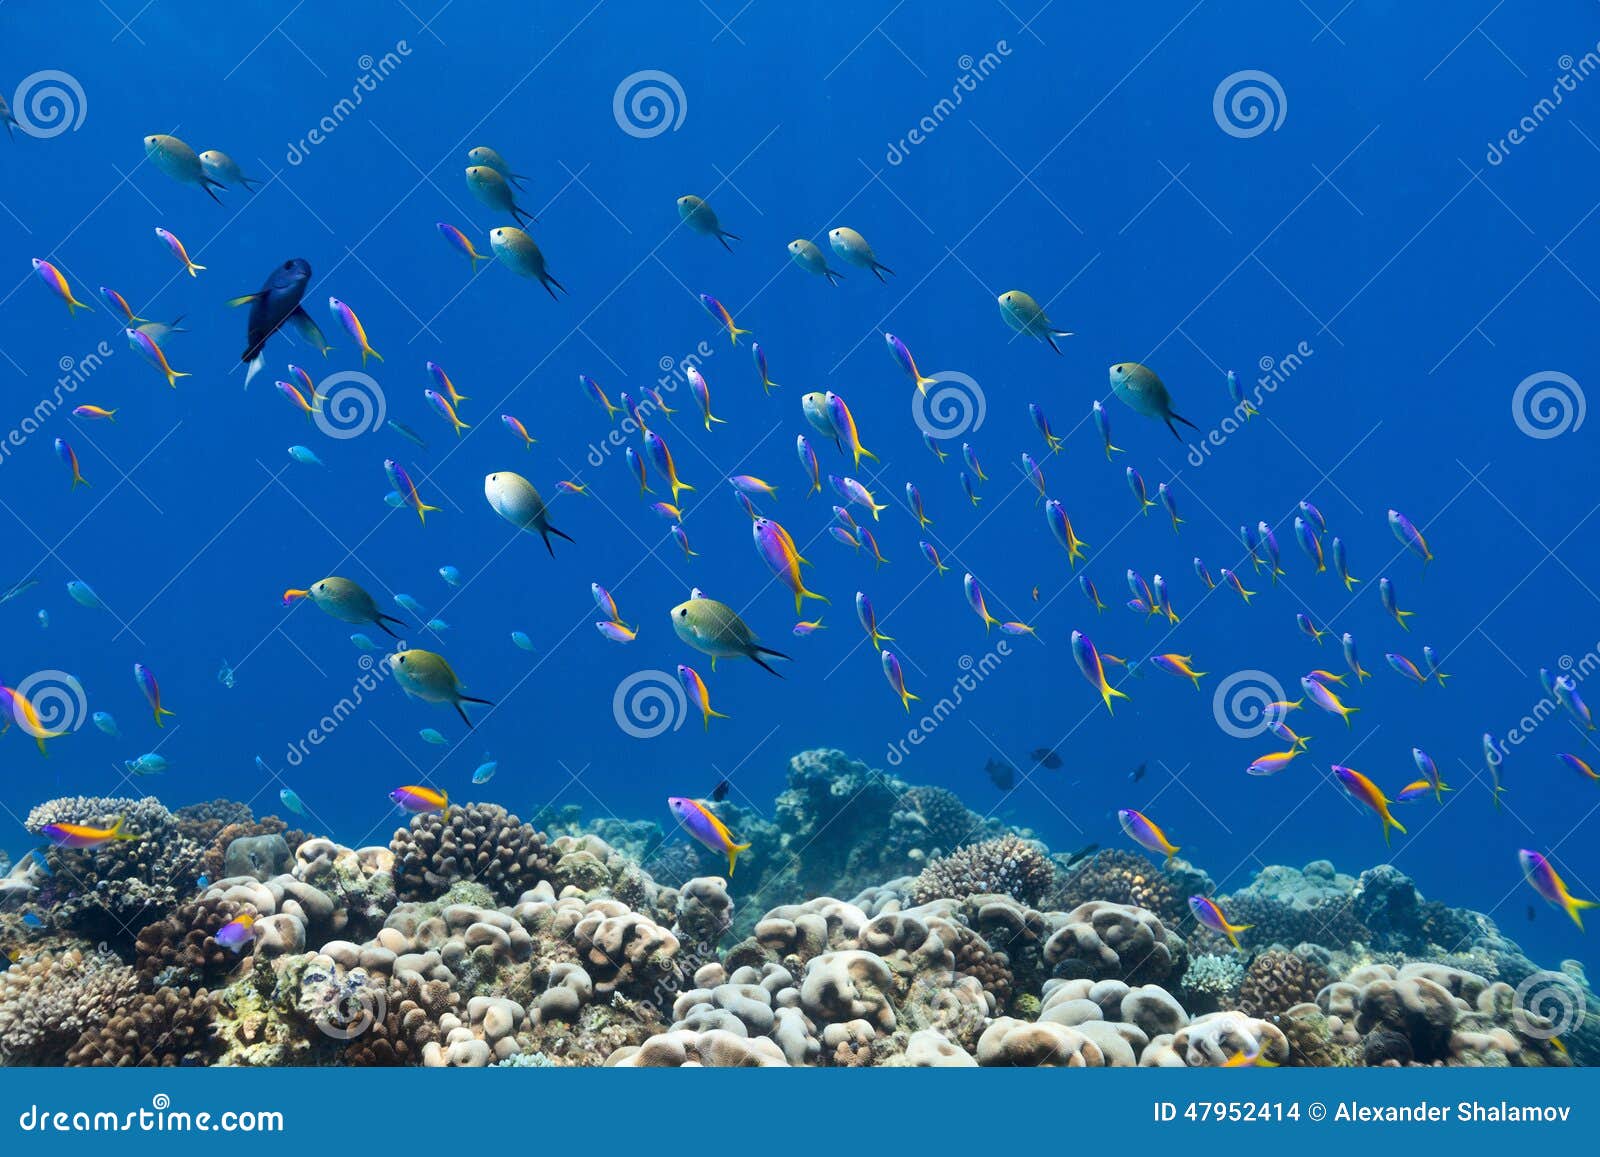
(483, 940)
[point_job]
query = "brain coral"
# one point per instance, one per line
(1006, 865)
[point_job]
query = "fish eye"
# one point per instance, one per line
(288, 264)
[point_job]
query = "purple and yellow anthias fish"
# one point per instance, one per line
(1566, 689)
(1233, 581)
(1102, 423)
(442, 405)
(897, 679)
(1169, 503)
(750, 484)
(933, 446)
(1164, 599)
(1495, 757)
(462, 244)
(1271, 763)
(1269, 540)
(1176, 664)
(1204, 575)
(176, 248)
(98, 412)
(346, 317)
(1042, 424)
(707, 830)
(808, 627)
(975, 600)
(931, 553)
(119, 303)
(67, 454)
(1252, 546)
(1088, 660)
(842, 536)
(1142, 830)
(914, 500)
(1410, 537)
(869, 620)
(1352, 660)
(1319, 694)
(421, 800)
(719, 311)
(593, 389)
(84, 836)
(1055, 516)
(298, 400)
(442, 379)
(667, 510)
(1136, 484)
(236, 933)
(514, 424)
(1314, 516)
(970, 457)
(1548, 884)
(407, 489)
(843, 424)
(51, 276)
(1386, 595)
(903, 358)
(871, 544)
(152, 353)
(16, 706)
(146, 679)
(1306, 535)
(702, 394)
(569, 487)
(1405, 668)
(682, 538)
(1210, 916)
(1431, 660)
(1416, 789)
(303, 379)
(1308, 628)
(636, 466)
(852, 490)
(759, 356)
(1240, 402)
(1141, 591)
(1086, 584)
(696, 687)
(776, 548)
(1579, 766)
(665, 466)
(809, 463)
(1341, 564)
(1430, 772)
(1369, 795)
(1034, 474)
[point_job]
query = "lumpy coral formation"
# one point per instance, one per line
(914, 933)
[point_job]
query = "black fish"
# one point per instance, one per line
(1136, 774)
(277, 302)
(1001, 774)
(1045, 757)
(720, 793)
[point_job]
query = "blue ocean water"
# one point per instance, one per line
(1398, 260)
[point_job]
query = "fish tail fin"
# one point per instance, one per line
(860, 450)
(1347, 712)
(733, 856)
(875, 511)
(833, 276)
(876, 266)
(734, 332)
(1390, 822)
(118, 834)
(74, 305)
(1233, 931)
(194, 270)
(1440, 676)
(905, 699)
(1573, 906)
(173, 376)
